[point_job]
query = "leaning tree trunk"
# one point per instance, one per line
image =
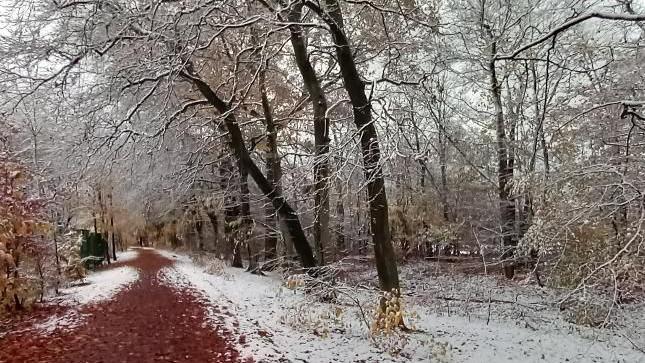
(321, 132)
(379, 224)
(283, 208)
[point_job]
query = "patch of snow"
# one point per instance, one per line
(171, 255)
(94, 288)
(99, 286)
(265, 315)
(128, 255)
(275, 323)
(66, 321)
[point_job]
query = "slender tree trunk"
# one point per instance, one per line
(244, 229)
(444, 175)
(417, 148)
(504, 172)
(273, 170)
(112, 227)
(212, 217)
(321, 132)
(57, 259)
(102, 234)
(231, 209)
(199, 228)
(340, 217)
(377, 198)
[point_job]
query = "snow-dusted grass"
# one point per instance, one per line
(279, 323)
(98, 286)
(95, 288)
(259, 308)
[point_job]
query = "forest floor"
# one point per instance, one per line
(161, 306)
(146, 321)
(454, 317)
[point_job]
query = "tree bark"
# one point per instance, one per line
(212, 217)
(273, 169)
(199, 229)
(379, 223)
(321, 132)
(244, 229)
(504, 171)
(107, 245)
(112, 227)
(341, 246)
(443, 165)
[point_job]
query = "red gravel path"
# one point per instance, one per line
(148, 322)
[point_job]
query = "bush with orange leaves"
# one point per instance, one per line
(20, 224)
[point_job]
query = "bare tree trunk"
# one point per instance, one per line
(340, 217)
(321, 133)
(174, 241)
(231, 210)
(199, 228)
(107, 246)
(444, 176)
(112, 226)
(504, 172)
(57, 258)
(212, 217)
(244, 230)
(273, 169)
(379, 223)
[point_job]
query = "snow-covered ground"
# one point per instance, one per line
(451, 323)
(127, 255)
(94, 288)
(98, 286)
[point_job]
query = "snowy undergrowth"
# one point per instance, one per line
(276, 322)
(95, 288)
(265, 314)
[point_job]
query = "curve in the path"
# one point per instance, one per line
(147, 322)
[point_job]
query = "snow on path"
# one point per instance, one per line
(267, 316)
(146, 322)
(64, 310)
(127, 255)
